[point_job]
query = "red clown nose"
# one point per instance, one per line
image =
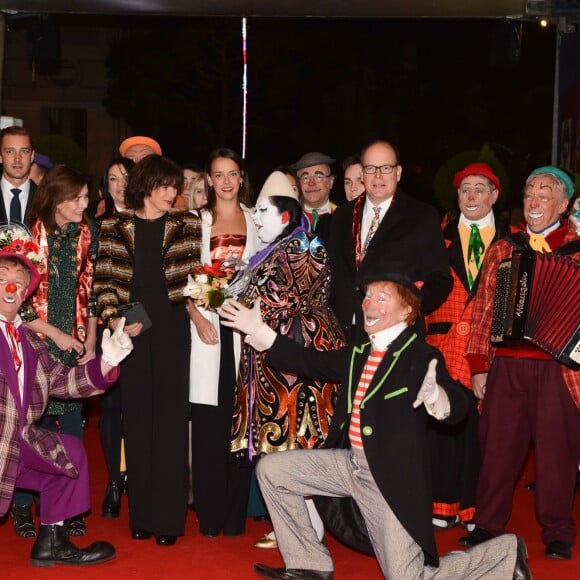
(11, 287)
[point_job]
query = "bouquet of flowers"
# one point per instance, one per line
(207, 287)
(17, 240)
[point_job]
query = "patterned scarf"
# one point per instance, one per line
(84, 278)
(359, 205)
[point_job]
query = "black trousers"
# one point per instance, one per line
(220, 488)
(154, 392)
(111, 428)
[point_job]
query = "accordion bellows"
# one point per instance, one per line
(537, 299)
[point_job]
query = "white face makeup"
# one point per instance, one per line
(382, 307)
(268, 220)
(13, 283)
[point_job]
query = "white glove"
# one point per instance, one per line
(116, 346)
(432, 395)
(249, 321)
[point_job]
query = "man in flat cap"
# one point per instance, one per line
(138, 147)
(456, 456)
(384, 220)
(316, 176)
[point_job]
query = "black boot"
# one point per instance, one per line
(23, 521)
(53, 547)
(111, 506)
(75, 526)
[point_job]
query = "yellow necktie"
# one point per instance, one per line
(539, 244)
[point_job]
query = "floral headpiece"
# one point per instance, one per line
(17, 240)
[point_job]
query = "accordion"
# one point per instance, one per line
(537, 299)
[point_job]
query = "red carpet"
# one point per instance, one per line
(197, 557)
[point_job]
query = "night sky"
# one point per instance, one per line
(433, 87)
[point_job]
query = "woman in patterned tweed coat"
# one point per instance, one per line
(145, 256)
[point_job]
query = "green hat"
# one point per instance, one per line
(556, 172)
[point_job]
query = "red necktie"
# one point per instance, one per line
(13, 340)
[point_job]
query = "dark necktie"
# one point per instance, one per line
(13, 340)
(15, 209)
(475, 249)
(315, 218)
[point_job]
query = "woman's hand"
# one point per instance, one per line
(206, 330)
(67, 342)
(132, 330)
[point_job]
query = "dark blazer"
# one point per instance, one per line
(394, 434)
(4, 216)
(410, 232)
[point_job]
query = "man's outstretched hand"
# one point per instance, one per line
(429, 391)
(249, 321)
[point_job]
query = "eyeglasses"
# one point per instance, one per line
(543, 199)
(318, 177)
(479, 191)
(384, 169)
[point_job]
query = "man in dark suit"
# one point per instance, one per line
(384, 221)
(16, 156)
(376, 456)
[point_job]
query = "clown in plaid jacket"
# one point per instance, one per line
(43, 377)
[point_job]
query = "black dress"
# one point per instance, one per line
(154, 381)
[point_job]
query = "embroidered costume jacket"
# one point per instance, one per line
(275, 410)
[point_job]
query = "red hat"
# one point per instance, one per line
(15, 243)
(139, 140)
(477, 169)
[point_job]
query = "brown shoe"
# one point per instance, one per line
(23, 521)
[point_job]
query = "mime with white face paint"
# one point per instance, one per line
(277, 411)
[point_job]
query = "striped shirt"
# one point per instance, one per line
(371, 366)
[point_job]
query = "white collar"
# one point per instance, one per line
(17, 320)
(545, 232)
(324, 208)
(7, 186)
(382, 340)
(485, 221)
(384, 205)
